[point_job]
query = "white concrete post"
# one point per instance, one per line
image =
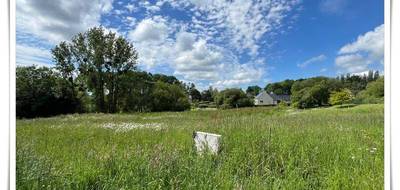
(204, 141)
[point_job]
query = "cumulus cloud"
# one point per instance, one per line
(312, 60)
(58, 20)
(150, 30)
(239, 74)
(204, 48)
(352, 62)
(366, 50)
(371, 42)
(198, 62)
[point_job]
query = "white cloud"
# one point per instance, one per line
(150, 30)
(315, 59)
(366, 50)
(242, 22)
(58, 20)
(333, 6)
(372, 42)
(151, 8)
(185, 41)
(131, 7)
(198, 62)
(28, 55)
(352, 62)
(239, 74)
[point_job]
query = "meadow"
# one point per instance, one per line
(262, 148)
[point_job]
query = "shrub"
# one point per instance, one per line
(373, 93)
(343, 96)
(232, 98)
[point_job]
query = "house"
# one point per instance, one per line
(265, 98)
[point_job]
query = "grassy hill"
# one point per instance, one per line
(263, 148)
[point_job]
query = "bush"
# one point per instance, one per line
(313, 92)
(343, 96)
(374, 93)
(41, 92)
(232, 98)
(169, 97)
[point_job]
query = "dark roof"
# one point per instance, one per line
(280, 97)
(275, 96)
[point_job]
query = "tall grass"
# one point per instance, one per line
(262, 148)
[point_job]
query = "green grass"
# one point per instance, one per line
(262, 148)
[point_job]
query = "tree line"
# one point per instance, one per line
(97, 72)
(325, 91)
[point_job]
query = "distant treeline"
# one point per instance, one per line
(96, 72)
(323, 91)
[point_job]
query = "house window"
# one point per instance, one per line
(261, 101)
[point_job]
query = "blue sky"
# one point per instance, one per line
(215, 42)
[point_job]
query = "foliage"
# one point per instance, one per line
(374, 92)
(280, 88)
(263, 148)
(313, 92)
(357, 83)
(343, 96)
(136, 92)
(102, 59)
(169, 97)
(42, 92)
(194, 94)
(253, 91)
(207, 95)
(233, 98)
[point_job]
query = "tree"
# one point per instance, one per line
(343, 96)
(166, 79)
(102, 59)
(206, 95)
(283, 87)
(63, 57)
(253, 90)
(136, 92)
(370, 76)
(169, 97)
(313, 92)
(373, 93)
(232, 98)
(194, 93)
(40, 93)
(376, 75)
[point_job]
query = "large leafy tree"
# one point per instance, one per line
(373, 93)
(41, 92)
(136, 92)
(313, 92)
(207, 95)
(194, 93)
(253, 90)
(283, 87)
(232, 98)
(102, 58)
(170, 97)
(343, 96)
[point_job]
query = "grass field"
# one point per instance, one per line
(262, 148)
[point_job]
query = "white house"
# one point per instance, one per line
(264, 99)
